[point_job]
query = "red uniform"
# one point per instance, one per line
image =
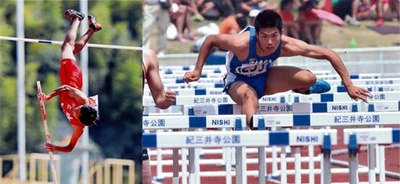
(70, 74)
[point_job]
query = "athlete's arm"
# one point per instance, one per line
(76, 94)
(294, 47)
(162, 99)
(77, 133)
(222, 41)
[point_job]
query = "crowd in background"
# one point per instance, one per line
(299, 21)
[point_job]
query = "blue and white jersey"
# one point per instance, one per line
(254, 69)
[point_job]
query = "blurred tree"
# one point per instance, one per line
(113, 74)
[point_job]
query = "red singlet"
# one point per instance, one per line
(70, 74)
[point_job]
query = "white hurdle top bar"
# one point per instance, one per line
(277, 98)
(295, 108)
(271, 120)
(218, 91)
(373, 136)
(332, 82)
(237, 138)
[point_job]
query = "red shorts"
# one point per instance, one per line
(70, 73)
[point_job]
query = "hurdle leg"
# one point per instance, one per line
(262, 170)
(228, 168)
(327, 168)
(184, 165)
(371, 163)
(192, 168)
(381, 159)
(241, 165)
(297, 164)
(311, 163)
(283, 166)
(175, 160)
(274, 159)
(159, 176)
(197, 164)
(224, 152)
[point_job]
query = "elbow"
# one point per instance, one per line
(69, 148)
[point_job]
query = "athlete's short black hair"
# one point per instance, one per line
(268, 19)
(88, 115)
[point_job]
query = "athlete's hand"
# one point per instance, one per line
(50, 147)
(167, 101)
(356, 93)
(42, 97)
(192, 76)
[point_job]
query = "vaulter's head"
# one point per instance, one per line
(86, 114)
(268, 25)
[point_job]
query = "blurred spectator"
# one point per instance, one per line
(246, 6)
(252, 16)
(310, 23)
(379, 10)
(290, 26)
(191, 7)
(156, 11)
(182, 20)
(233, 24)
(347, 10)
(212, 9)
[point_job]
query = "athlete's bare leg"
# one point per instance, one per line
(285, 78)
(245, 96)
(68, 45)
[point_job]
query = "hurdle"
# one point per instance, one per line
(240, 140)
(332, 82)
(356, 137)
(218, 91)
(278, 120)
(208, 74)
(380, 95)
(278, 98)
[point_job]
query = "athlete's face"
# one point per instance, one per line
(77, 112)
(269, 38)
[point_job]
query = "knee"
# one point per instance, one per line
(66, 45)
(308, 78)
(249, 95)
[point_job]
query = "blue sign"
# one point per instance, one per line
(219, 140)
(154, 123)
(268, 99)
(220, 122)
(377, 97)
(340, 107)
(307, 138)
(276, 108)
(210, 100)
(379, 82)
(357, 119)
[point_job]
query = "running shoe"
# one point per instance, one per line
(319, 87)
(72, 14)
(94, 24)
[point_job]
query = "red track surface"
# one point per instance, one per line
(392, 164)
